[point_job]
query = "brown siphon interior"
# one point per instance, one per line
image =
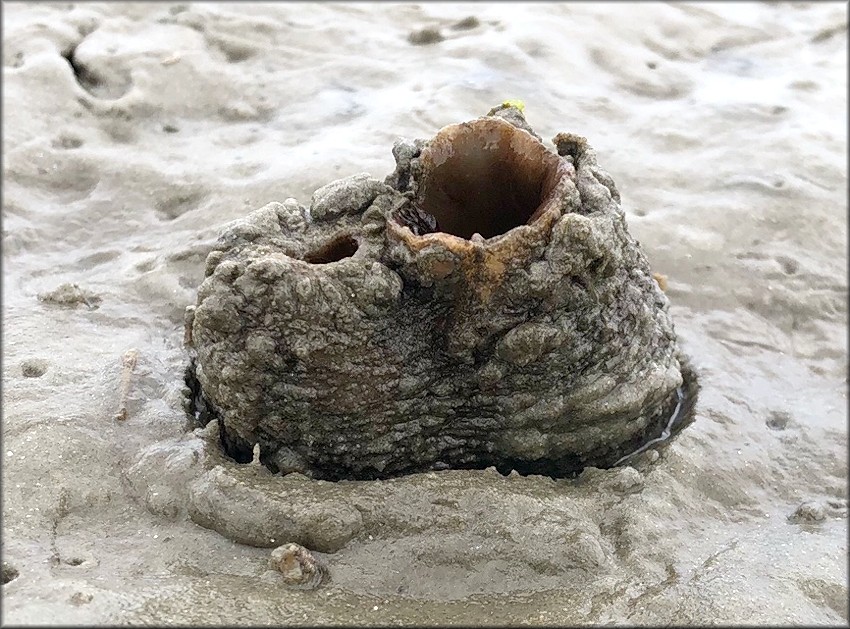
(486, 177)
(340, 247)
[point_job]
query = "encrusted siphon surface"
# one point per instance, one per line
(484, 305)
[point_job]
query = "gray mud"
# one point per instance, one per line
(134, 132)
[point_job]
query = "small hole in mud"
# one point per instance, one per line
(651, 65)
(79, 598)
(10, 573)
(67, 142)
(778, 420)
(425, 36)
(789, 265)
(34, 368)
(337, 249)
(75, 561)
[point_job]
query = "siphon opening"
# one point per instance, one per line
(486, 177)
(337, 249)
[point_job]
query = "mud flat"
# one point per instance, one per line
(133, 133)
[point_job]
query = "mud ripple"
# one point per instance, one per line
(96, 78)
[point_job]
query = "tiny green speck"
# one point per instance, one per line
(514, 103)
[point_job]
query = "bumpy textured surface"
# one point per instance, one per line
(355, 339)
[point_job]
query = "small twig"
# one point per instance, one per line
(128, 363)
